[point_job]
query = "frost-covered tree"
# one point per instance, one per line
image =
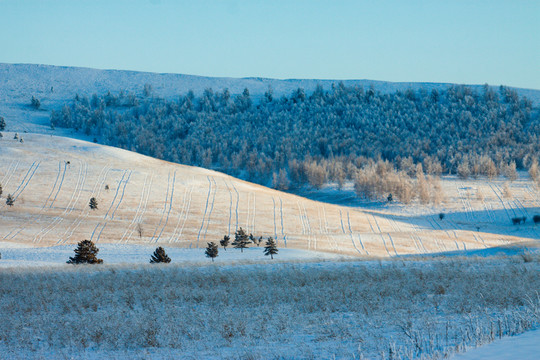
(225, 242)
(35, 103)
(211, 250)
(85, 253)
(270, 248)
(10, 200)
(93, 203)
(241, 240)
(159, 256)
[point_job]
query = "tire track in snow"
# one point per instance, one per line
(205, 209)
(186, 213)
(330, 236)
(282, 228)
(9, 174)
(15, 232)
(502, 202)
(85, 211)
(26, 179)
(170, 207)
(351, 234)
(237, 201)
(180, 215)
(211, 208)
(59, 186)
(81, 179)
(138, 218)
(230, 207)
(380, 233)
(59, 219)
(110, 207)
(275, 226)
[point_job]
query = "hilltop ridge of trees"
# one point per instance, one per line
(325, 136)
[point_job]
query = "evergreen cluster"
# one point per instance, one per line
(85, 253)
(299, 138)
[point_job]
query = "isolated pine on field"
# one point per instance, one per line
(1, 190)
(211, 250)
(160, 256)
(225, 242)
(2, 124)
(270, 248)
(85, 253)
(241, 240)
(93, 203)
(10, 201)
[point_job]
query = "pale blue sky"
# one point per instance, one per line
(459, 41)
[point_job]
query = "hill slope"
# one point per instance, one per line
(53, 178)
(55, 85)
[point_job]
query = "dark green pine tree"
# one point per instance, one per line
(10, 200)
(225, 242)
(160, 256)
(252, 239)
(93, 203)
(85, 253)
(2, 124)
(1, 190)
(241, 240)
(211, 250)
(270, 248)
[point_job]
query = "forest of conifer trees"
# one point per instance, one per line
(326, 136)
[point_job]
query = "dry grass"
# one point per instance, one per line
(414, 308)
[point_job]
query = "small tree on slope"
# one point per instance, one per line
(224, 242)
(241, 240)
(93, 203)
(85, 253)
(160, 256)
(270, 248)
(211, 250)
(1, 190)
(10, 201)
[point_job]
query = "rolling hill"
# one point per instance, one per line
(53, 178)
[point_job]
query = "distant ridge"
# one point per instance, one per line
(23, 80)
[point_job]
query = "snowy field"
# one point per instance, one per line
(52, 180)
(391, 309)
(20, 256)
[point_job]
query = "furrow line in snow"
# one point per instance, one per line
(230, 207)
(351, 234)
(282, 227)
(211, 208)
(170, 207)
(85, 210)
(237, 201)
(205, 209)
(144, 204)
(122, 195)
(115, 194)
(275, 225)
(180, 215)
(59, 186)
(186, 213)
(164, 207)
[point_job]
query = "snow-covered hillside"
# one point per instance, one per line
(55, 85)
(53, 178)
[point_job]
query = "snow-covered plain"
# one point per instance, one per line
(523, 347)
(392, 309)
(28, 256)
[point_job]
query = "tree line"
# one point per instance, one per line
(325, 136)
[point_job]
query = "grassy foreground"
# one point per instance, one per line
(397, 309)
